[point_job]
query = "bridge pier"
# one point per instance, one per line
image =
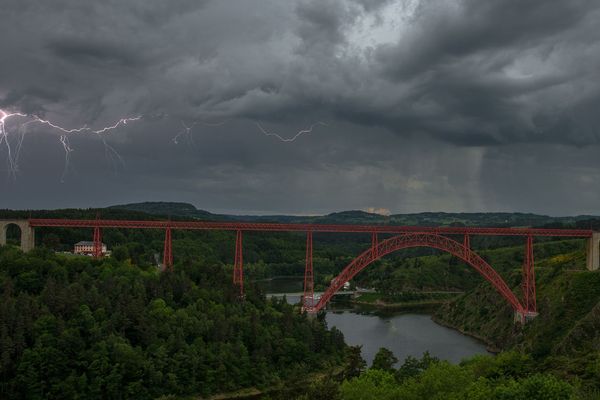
(27, 233)
(167, 251)
(593, 252)
(528, 284)
(308, 300)
(238, 266)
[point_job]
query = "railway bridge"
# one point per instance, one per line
(403, 237)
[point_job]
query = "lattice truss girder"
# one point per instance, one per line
(419, 240)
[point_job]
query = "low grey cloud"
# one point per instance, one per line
(428, 104)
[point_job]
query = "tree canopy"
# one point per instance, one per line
(74, 327)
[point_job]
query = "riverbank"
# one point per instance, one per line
(489, 345)
(427, 306)
(431, 304)
(424, 306)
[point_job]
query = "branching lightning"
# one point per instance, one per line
(12, 161)
(85, 128)
(64, 140)
(12, 143)
(293, 138)
(187, 130)
(13, 150)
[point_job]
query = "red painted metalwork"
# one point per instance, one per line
(238, 267)
(420, 240)
(529, 278)
(168, 251)
(268, 227)
(97, 242)
(309, 282)
(374, 243)
(409, 236)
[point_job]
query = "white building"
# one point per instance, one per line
(87, 248)
(346, 285)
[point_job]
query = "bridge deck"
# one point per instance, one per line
(278, 227)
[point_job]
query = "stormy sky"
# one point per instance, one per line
(430, 105)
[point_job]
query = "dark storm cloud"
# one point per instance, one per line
(468, 73)
(465, 63)
(477, 27)
(421, 99)
(98, 53)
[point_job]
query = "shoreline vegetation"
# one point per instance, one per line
(423, 300)
(489, 346)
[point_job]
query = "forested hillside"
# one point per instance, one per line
(119, 327)
(555, 356)
(564, 338)
(73, 327)
(509, 376)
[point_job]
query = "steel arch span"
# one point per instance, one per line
(409, 240)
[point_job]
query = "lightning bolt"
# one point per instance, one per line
(13, 148)
(12, 160)
(187, 130)
(13, 154)
(122, 121)
(293, 138)
(64, 140)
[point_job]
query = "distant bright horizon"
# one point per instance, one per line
(302, 107)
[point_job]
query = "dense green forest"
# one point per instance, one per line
(509, 376)
(73, 327)
(563, 339)
(119, 328)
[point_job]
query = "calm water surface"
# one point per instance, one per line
(405, 334)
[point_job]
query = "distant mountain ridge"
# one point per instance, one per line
(176, 209)
(186, 210)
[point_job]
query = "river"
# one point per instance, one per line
(404, 333)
